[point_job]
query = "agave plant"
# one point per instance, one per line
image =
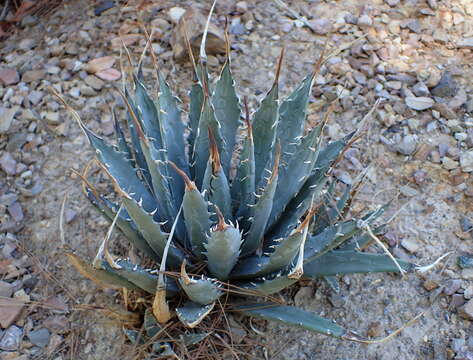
(227, 200)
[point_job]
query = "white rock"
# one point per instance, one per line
(465, 43)
(410, 245)
(466, 161)
(365, 20)
(175, 13)
(419, 103)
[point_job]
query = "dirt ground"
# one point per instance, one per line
(415, 157)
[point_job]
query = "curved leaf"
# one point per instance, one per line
(191, 314)
(124, 223)
(102, 277)
(151, 231)
(348, 262)
(121, 169)
(293, 316)
(202, 291)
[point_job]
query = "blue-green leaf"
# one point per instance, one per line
(293, 176)
(207, 122)
(140, 161)
(293, 316)
(348, 262)
(215, 184)
(223, 249)
(121, 169)
(191, 314)
(265, 123)
(151, 231)
(292, 115)
(196, 215)
(227, 112)
(121, 140)
(202, 290)
(269, 284)
(143, 278)
(262, 210)
(282, 255)
(148, 114)
(244, 186)
(124, 222)
(195, 109)
(173, 130)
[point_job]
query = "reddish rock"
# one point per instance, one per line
(10, 309)
(100, 64)
(9, 76)
(109, 74)
(128, 40)
(33, 75)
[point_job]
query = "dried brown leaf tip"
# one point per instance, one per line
(277, 157)
(214, 155)
(249, 127)
(221, 225)
(278, 68)
(190, 185)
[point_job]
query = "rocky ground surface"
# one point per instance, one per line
(414, 57)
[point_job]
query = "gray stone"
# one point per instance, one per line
(414, 26)
(457, 300)
(466, 224)
(39, 337)
(447, 87)
(466, 311)
(466, 43)
(87, 90)
(410, 245)
(392, 3)
(458, 344)
(419, 103)
(321, 26)
(51, 118)
(33, 75)
(241, 7)
(452, 286)
(466, 161)
(449, 163)
(408, 145)
(365, 21)
(35, 97)
(6, 290)
(75, 92)
(408, 191)
(27, 44)
(9, 76)
(8, 163)
(16, 212)
(420, 89)
(69, 215)
(11, 338)
(94, 82)
(6, 118)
